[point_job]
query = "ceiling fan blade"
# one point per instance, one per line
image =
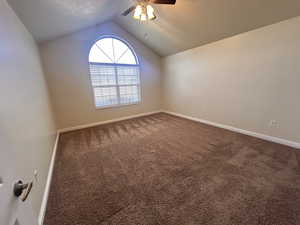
(126, 12)
(169, 2)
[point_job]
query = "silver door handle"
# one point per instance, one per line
(19, 187)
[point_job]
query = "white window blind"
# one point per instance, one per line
(114, 74)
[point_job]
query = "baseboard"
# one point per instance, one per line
(48, 183)
(238, 130)
(106, 121)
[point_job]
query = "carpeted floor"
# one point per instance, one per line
(165, 170)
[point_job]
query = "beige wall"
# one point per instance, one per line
(65, 63)
(27, 131)
(244, 81)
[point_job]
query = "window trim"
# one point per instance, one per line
(115, 65)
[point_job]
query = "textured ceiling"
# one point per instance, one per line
(188, 24)
(49, 19)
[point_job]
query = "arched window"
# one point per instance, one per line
(115, 73)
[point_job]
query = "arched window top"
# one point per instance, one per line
(112, 50)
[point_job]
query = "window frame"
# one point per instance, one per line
(115, 65)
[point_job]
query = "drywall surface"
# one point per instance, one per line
(27, 130)
(66, 66)
(249, 81)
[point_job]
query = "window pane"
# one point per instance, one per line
(120, 49)
(105, 96)
(106, 45)
(128, 75)
(102, 75)
(96, 55)
(129, 94)
(127, 58)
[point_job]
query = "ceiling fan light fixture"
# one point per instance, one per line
(152, 17)
(144, 12)
(138, 12)
(143, 17)
(150, 12)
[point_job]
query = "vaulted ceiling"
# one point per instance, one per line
(188, 24)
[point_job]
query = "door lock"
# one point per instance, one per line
(19, 187)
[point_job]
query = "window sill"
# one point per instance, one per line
(117, 106)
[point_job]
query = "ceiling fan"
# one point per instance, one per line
(143, 11)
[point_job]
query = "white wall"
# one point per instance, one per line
(243, 81)
(65, 63)
(27, 128)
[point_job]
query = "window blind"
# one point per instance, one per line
(115, 84)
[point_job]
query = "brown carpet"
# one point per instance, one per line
(165, 170)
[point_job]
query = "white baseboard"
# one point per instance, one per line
(238, 130)
(48, 183)
(106, 121)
